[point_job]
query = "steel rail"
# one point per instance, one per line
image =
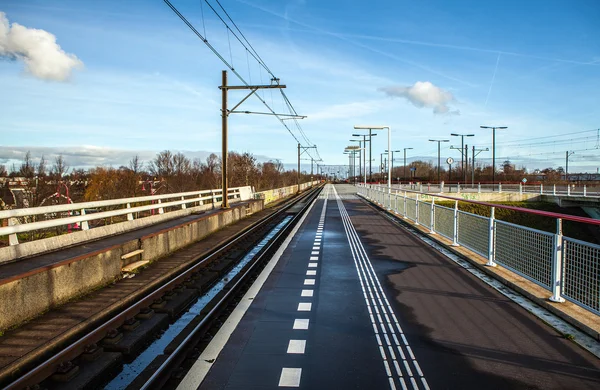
(49, 366)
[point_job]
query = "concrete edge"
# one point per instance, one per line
(99, 251)
(528, 293)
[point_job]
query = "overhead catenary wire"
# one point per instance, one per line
(229, 65)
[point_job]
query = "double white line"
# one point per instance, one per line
(388, 332)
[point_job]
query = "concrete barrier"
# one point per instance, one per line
(26, 296)
(270, 196)
(34, 248)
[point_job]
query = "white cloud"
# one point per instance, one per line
(38, 49)
(424, 94)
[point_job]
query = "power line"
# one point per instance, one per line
(249, 50)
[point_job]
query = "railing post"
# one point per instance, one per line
(479, 188)
(130, 215)
(420, 187)
(183, 204)
(553, 189)
(520, 188)
(568, 189)
(442, 187)
(160, 210)
(458, 188)
(214, 198)
(491, 239)
(84, 224)
(584, 191)
(396, 202)
(404, 204)
(541, 188)
(12, 238)
(499, 188)
(557, 267)
(432, 219)
(417, 210)
(455, 233)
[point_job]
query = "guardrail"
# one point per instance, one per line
(25, 220)
(553, 189)
(567, 267)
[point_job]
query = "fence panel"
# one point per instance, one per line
(473, 232)
(581, 273)
(525, 251)
(425, 214)
(411, 209)
(444, 221)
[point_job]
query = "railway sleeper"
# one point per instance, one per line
(135, 340)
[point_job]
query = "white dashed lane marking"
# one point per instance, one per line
(301, 323)
(296, 346)
(290, 377)
(304, 306)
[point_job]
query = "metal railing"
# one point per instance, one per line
(568, 268)
(548, 189)
(26, 219)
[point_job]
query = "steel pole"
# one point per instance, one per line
(370, 157)
(493, 158)
(439, 151)
(224, 114)
(389, 156)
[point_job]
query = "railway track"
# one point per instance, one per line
(148, 344)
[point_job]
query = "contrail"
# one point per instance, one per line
(492, 83)
(345, 38)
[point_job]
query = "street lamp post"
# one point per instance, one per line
(462, 151)
(389, 129)
(360, 145)
(493, 151)
(365, 153)
(439, 141)
(392, 160)
(405, 149)
(370, 157)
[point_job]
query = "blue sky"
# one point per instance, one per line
(147, 83)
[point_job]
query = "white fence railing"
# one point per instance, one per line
(80, 214)
(549, 189)
(568, 268)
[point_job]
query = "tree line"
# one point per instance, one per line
(167, 172)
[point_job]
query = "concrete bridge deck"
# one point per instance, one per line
(358, 302)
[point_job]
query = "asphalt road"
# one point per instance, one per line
(357, 302)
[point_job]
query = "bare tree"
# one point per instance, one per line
(41, 167)
(60, 167)
(3, 172)
(27, 167)
(162, 165)
(136, 165)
